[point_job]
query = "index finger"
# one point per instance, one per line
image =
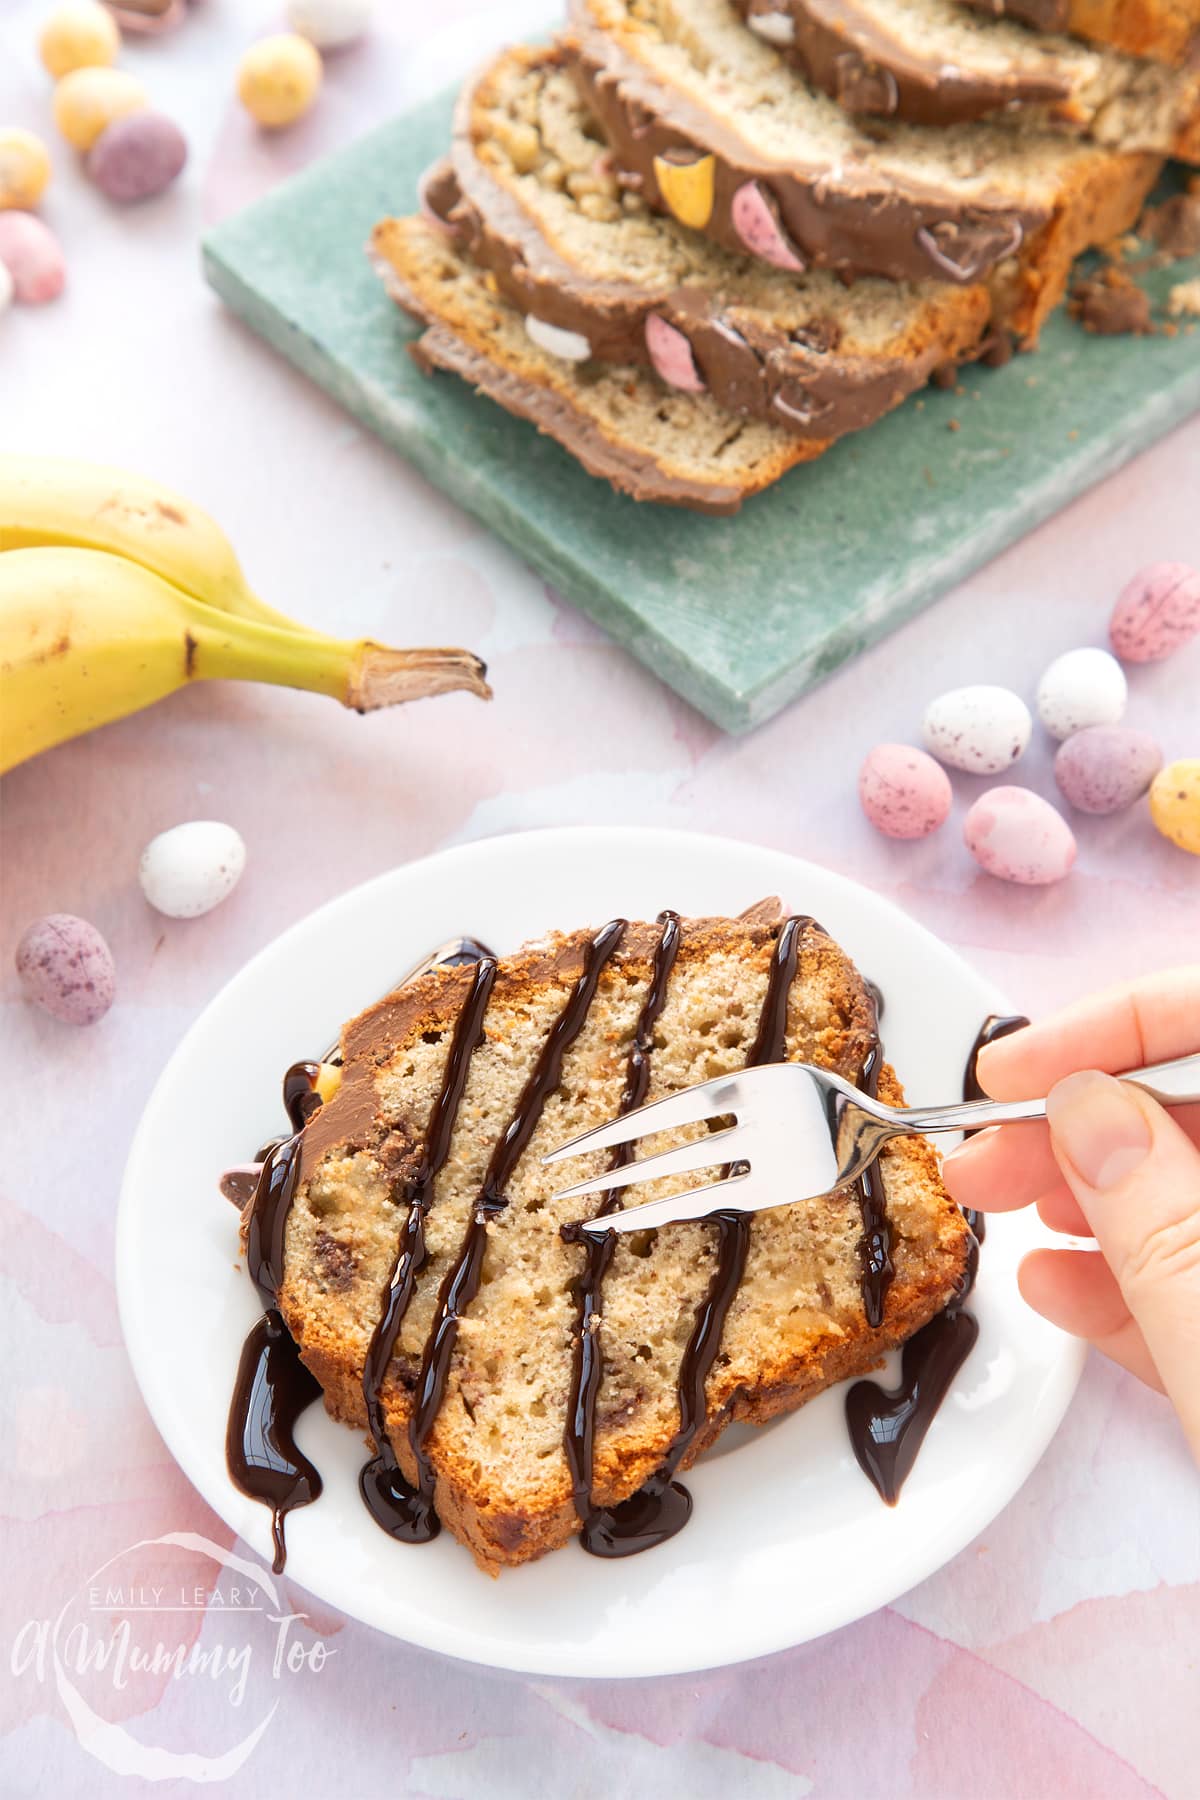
(1127, 1027)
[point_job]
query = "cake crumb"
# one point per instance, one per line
(1109, 304)
(953, 425)
(1184, 298)
(1174, 226)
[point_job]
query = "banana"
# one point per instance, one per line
(86, 637)
(52, 500)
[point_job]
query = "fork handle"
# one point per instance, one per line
(1174, 1083)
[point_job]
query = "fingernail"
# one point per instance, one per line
(1098, 1126)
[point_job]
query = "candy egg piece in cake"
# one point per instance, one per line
(903, 792)
(190, 869)
(1083, 687)
(1156, 613)
(671, 353)
(65, 967)
(1105, 768)
(1015, 835)
(1175, 803)
(980, 729)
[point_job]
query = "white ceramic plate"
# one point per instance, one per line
(787, 1538)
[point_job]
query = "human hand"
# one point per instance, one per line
(1111, 1164)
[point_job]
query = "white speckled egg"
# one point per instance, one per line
(191, 868)
(1017, 836)
(65, 967)
(903, 792)
(980, 729)
(1084, 687)
(1105, 768)
(329, 23)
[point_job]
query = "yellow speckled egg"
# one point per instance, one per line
(278, 79)
(80, 34)
(87, 101)
(24, 168)
(1175, 803)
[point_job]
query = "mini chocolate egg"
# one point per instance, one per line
(1156, 613)
(24, 169)
(1175, 803)
(88, 100)
(30, 252)
(329, 23)
(980, 729)
(1017, 836)
(903, 792)
(137, 157)
(278, 78)
(190, 869)
(1080, 688)
(1105, 768)
(66, 968)
(79, 34)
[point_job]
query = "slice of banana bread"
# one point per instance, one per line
(619, 421)
(715, 127)
(1167, 30)
(420, 1194)
(932, 63)
(533, 198)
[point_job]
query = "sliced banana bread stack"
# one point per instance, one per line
(697, 241)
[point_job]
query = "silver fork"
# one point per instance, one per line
(799, 1132)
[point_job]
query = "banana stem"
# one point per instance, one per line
(362, 675)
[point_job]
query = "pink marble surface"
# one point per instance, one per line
(1059, 1654)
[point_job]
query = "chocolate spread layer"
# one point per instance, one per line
(801, 377)
(853, 221)
(845, 52)
(1038, 15)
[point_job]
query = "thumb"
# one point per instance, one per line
(1136, 1176)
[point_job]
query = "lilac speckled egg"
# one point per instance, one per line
(903, 792)
(980, 729)
(1017, 836)
(30, 252)
(1156, 613)
(137, 157)
(1105, 768)
(67, 969)
(1081, 688)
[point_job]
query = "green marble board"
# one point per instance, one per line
(739, 615)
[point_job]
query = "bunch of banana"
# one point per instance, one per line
(114, 592)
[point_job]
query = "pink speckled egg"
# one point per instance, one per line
(1156, 613)
(759, 229)
(1017, 836)
(671, 354)
(67, 969)
(30, 252)
(1106, 767)
(903, 792)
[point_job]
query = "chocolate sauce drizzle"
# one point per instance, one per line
(390, 1499)
(588, 1368)
(408, 1512)
(273, 1387)
(886, 1428)
(661, 1507)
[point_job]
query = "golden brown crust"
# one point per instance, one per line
(500, 1528)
